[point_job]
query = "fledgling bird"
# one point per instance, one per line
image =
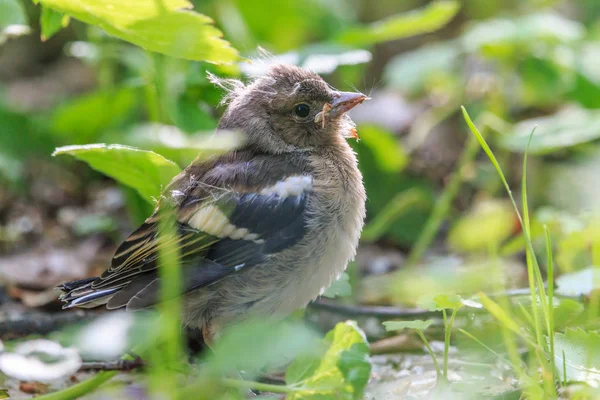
(263, 229)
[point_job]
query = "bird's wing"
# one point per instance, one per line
(227, 222)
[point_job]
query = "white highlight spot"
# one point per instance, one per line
(290, 186)
(92, 342)
(40, 360)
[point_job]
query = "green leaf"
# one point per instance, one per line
(489, 223)
(160, 26)
(321, 58)
(256, 344)
(564, 310)
(581, 353)
(382, 157)
(568, 127)
(501, 37)
(51, 22)
(356, 367)
(412, 70)
(340, 287)
(503, 316)
(175, 145)
(11, 168)
(82, 119)
(400, 325)
(342, 372)
(12, 13)
(304, 365)
(400, 26)
(447, 302)
(144, 171)
(13, 20)
(389, 153)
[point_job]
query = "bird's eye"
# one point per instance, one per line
(302, 110)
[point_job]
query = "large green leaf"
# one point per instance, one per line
(340, 287)
(581, 357)
(568, 127)
(11, 13)
(182, 148)
(161, 26)
(341, 373)
(502, 36)
(488, 223)
(411, 71)
(83, 119)
(390, 155)
(145, 171)
(424, 20)
(256, 344)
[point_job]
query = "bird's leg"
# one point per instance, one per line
(195, 342)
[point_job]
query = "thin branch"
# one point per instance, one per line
(113, 365)
(372, 311)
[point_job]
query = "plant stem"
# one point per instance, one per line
(445, 317)
(398, 206)
(435, 363)
(448, 332)
(442, 206)
(550, 270)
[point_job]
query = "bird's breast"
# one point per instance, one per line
(336, 213)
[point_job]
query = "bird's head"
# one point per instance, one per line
(289, 109)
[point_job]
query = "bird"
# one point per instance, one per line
(261, 230)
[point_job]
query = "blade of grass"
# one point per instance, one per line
(524, 222)
(81, 388)
(564, 362)
(168, 354)
(507, 337)
(504, 318)
(532, 264)
(550, 269)
(526, 314)
(533, 270)
(499, 356)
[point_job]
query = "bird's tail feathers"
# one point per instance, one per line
(80, 293)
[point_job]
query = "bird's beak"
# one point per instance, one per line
(342, 103)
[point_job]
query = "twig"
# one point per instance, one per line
(113, 365)
(407, 313)
(373, 311)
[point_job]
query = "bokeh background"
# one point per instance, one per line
(439, 219)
